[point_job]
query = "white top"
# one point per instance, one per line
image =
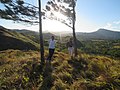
(52, 44)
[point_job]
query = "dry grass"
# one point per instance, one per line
(22, 70)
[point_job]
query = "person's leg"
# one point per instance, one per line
(51, 53)
(72, 51)
(69, 51)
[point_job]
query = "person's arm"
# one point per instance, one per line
(56, 41)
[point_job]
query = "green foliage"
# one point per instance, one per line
(102, 47)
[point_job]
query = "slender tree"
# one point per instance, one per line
(74, 36)
(41, 35)
(65, 8)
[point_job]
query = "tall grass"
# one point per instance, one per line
(22, 70)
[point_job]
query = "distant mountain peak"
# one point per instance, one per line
(105, 30)
(100, 34)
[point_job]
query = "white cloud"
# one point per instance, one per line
(115, 25)
(109, 25)
(116, 22)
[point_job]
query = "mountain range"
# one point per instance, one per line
(103, 34)
(99, 34)
(29, 40)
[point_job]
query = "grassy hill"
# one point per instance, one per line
(34, 35)
(22, 71)
(30, 34)
(12, 40)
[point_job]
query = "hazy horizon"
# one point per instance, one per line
(60, 32)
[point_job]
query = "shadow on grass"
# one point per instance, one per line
(34, 75)
(47, 78)
(79, 66)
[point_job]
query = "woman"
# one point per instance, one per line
(51, 48)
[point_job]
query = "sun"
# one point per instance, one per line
(59, 15)
(54, 26)
(55, 22)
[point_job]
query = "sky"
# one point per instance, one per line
(91, 15)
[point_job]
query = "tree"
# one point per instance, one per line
(65, 8)
(20, 11)
(41, 36)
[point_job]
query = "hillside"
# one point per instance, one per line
(99, 34)
(34, 35)
(12, 40)
(30, 34)
(22, 71)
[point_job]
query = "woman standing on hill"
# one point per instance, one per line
(70, 47)
(51, 48)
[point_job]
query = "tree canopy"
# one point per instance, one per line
(60, 10)
(18, 10)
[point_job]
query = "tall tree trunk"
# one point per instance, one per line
(74, 35)
(41, 35)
